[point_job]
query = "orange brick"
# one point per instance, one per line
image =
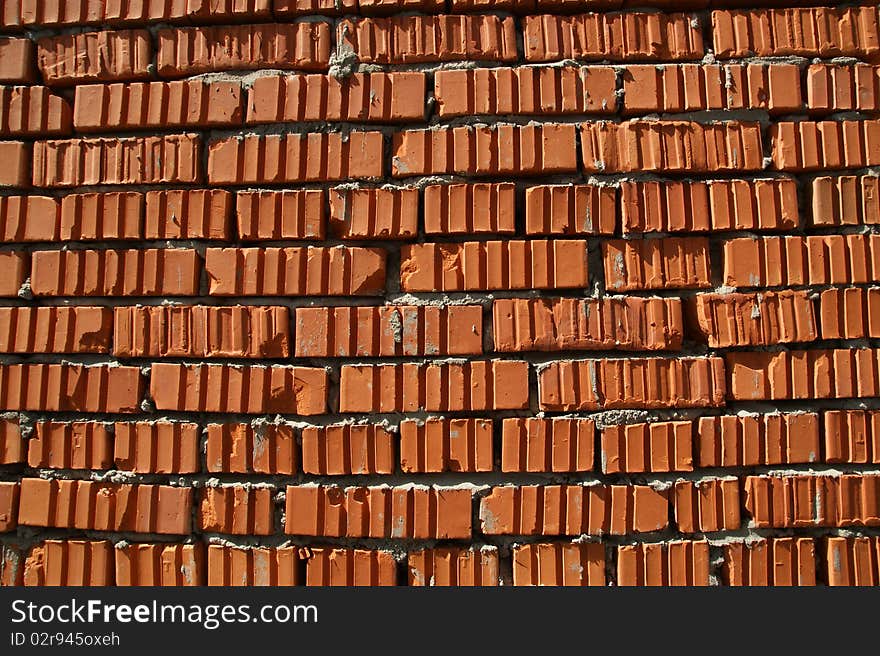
(463, 209)
(9, 493)
(101, 216)
(188, 214)
(825, 145)
(160, 565)
(70, 562)
(288, 214)
(71, 445)
(835, 88)
(852, 436)
(676, 563)
(256, 566)
(33, 111)
(374, 213)
(347, 449)
(237, 510)
(559, 564)
(707, 505)
(17, 156)
(853, 561)
(18, 57)
(845, 200)
(95, 57)
(453, 566)
(772, 561)
(79, 329)
(759, 319)
(13, 271)
(157, 447)
(350, 567)
(29, 218)
(664, 446)
(257, 448)
(13, 448)
(668, 263)
(439, 445)
(753, 440)
(571, 210)
(547, 445)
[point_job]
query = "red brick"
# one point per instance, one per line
(571, 210)
(55, 329)
(13, 268)
(11, 565)
(454, 566)
(281, 158)
(95, 57)
(258, 448)
(688, 382)
(852, 436)
(528, 90)
(29, 218)
(17, 61)
(502, 149)
(296, 271)
(390, 330)
(675, 563)
(17, 156)
(283, 8)
(201, 331)
(539, 444)
(69, 563)
(591, 509)
(251, 389)
(361, 98)
(33, 111)
(416, 39)
(134, 272)
(70, 388)
(436, 445)
(664, 446)
(12, 445)
(752, 440)
(632, 36)
(853, 561)
(99, 506)
(347, 449)
(350, 567)
(160, 564)
(255, 566)
(374, 213)
(559, 563)
(9, 493)
(668, 263)
(845, 200)
(98, 217)
(237, 510)
(825, 145)
(835, 88)
(770, 562)
(71, 445)
(190, 51)
(188, 214)
(494, 265)
(434, 387)
(463, 209)
(157, 447)
(170, 159)
(850, 313)
(378, 512)
(288, 214)
(707, 505)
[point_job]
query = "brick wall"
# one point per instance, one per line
(429, 292)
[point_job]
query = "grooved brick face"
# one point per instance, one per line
(414, 292)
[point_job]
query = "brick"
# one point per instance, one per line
(347, 449)
(134, 272)
(11, 566)
(454, 566)
(13, 448)
(825, 145)
(664, 446)
(69, 563)
(851, 436)
(78, 329)
(436, 445)
(633, 36)
(99, 506)
(95, 57)
(565, 324)
(98, 217)
(258, 448)
(559, 564)
(464, 209)
(755, 319)
(237, 510)
(675, 563)
(374, 213)
(255, 566)
(361, 98)
(378, 512)
(591, 509)
(201, 331)
(809, 32)
(540, 444)
(688, 382)
(745, 440)
(852, 561)
(18, 58)
(157, 447)
(850, 313)
(770, 562)
(845, 200)
(668, 263)
(671, 146)
(350, 567)
(160, 565)
(528, 90)
(9, 493)
(71, 445)
(296, 271)
(717, 205)
(571, 209)
(184, 52)
(188, 214)
(364, 7)
(494, 265)
(251, 389)
(806, 500)
(282, 158)
(17, 156)
(13, 268)
(835, 88)
(390, 330)
(70, 388)
(29, 218)
(434, 387)
(33, 111)
(288, 214)
(814, 374)
(417, 39)
(502, 149)
(170, 159)
(707, 505)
